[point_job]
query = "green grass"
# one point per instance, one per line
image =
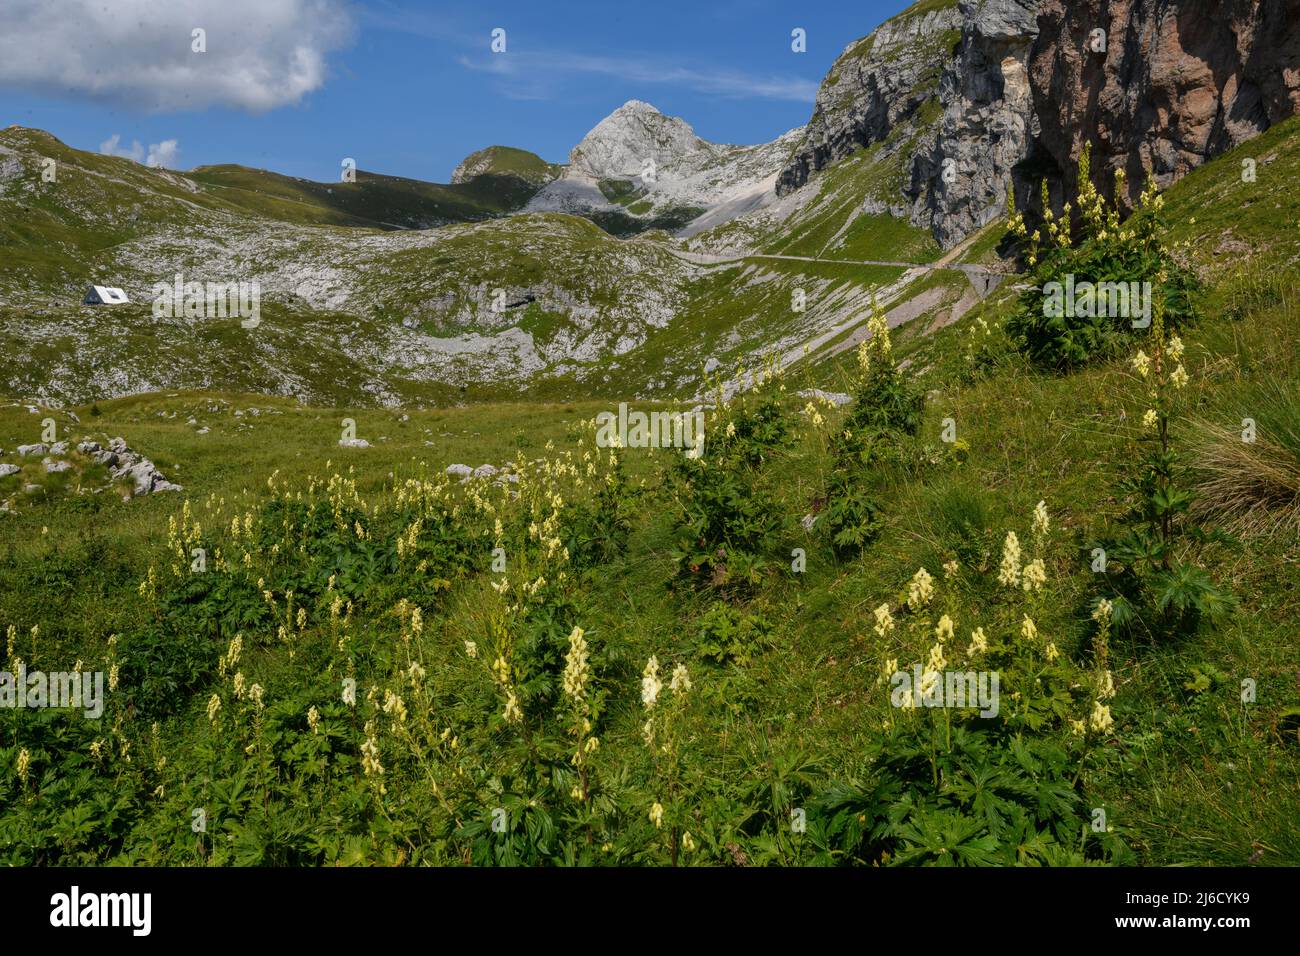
(1193, 777)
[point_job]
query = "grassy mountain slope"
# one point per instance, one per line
(1188, 775)
(506, 161)
(381, 202)
(367, 314)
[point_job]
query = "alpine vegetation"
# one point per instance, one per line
(954, 689)
(651, 430)
(64, 690)
(375, 523)
(209, 300)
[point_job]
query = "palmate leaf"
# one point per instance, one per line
(946, 838)
(1185, 588)
(989, 792)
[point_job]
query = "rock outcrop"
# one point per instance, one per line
(876, 84)
(1177, 83)
(123, 464)
(960, 184)
(1016, 87)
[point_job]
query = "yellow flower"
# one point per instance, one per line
(1178, 378)
(1100, 720)
(950, 569)
(1035, 575)
(313, 720)
(575, 665)
(394, 706)
(681, 681)
(978, 642)
(1151, 419)
(1028, 630)
(1041, 521)
(688, 842)
(471, 649)
(1142, 364)
(650, 683)
(370, 754)
(944, 631)
(937, 661)
(1052, 652)
(920, 590)
(657, 814)
(24, 762)
(1009, 572)
(513, 714)
(214, 708)
(884, 620)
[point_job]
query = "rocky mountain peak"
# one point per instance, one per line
(628, 140)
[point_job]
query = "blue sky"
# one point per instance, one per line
(407, 88)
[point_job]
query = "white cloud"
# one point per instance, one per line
(162, 154)
(261, 54)
(111, 147)
(536, 73)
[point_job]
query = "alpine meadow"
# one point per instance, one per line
(919, 486)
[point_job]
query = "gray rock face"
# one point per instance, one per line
(460, 471)
(987, 126)
(7, 470)
(877, 83)
(54, 467)
(353, 443)
(668, 167)
(37, 449)
(969, 63)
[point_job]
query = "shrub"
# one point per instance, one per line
(852, 518)
(730, 636)
(1106, 251)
